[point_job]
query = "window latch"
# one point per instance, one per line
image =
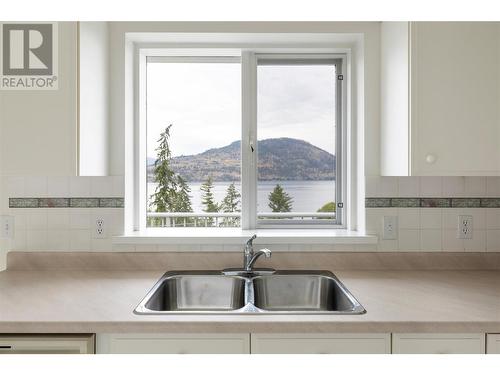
(340, 205)
(340, 77)
(251, 146)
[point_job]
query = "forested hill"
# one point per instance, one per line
(280, 159)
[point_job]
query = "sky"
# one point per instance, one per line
(203, 102)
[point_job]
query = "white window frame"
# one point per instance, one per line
(310, 57)
(248, 59)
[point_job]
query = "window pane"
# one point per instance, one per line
(201, 102)
(296, 140)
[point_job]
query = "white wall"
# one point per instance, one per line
(395, 98)
(38, 128)
(94, 98)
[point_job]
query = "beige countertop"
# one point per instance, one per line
(103, 301)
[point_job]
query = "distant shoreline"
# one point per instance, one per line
(308, 196)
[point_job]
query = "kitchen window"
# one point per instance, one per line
(243, 139)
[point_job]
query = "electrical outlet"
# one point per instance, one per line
(465, 227)
(390, 227)
(7, 226)
(100, 228)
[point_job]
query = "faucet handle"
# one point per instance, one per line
(250, 241)
(267, 252)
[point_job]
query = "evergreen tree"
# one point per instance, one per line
(172, 192)
(165, 191)
(279, 200)
(183, 202)
(183, 199)
(231, 203)
(207, 198)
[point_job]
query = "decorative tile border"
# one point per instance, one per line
(405, 202)
(465, 202)
(377, 202)
(84, 202)
(23, 203)
(53, 202)
(490, 202)
(435, 202)
(66, 202)
(432, 202)
(111, 202)
(115, 202)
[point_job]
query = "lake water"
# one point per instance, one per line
(308, 196)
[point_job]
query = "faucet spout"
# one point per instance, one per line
(249, 259)
(253, 259)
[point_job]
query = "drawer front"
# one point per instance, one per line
(47, 344)
(438, 343)
(173, 344)
(321, 343)
(493, 343)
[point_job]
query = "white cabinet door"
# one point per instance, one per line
(430, 343)
(440, 94)
(493, 343)
(47, 344)
(173, 343)
(455, 75)
(321, 343)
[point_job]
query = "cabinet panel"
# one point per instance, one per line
(440, 96)
(47, 344)
(321, 343)
(423, 343)
(173, 343)
(454, 98)
(493, 343)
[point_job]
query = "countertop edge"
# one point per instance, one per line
(249, 327)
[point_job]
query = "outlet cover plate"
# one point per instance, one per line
(465, 227)
(99, 231)
(6, 226)
(390, 228)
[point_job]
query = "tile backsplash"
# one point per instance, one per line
(428, 208)
(407, 187)
(58, 214)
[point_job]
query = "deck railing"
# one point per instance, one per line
(224, 219)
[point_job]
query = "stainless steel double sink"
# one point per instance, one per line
(258, 292)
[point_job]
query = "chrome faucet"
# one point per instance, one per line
(249, 257)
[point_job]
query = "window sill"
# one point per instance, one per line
(234, 236)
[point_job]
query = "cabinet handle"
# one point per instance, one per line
(430, 158)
